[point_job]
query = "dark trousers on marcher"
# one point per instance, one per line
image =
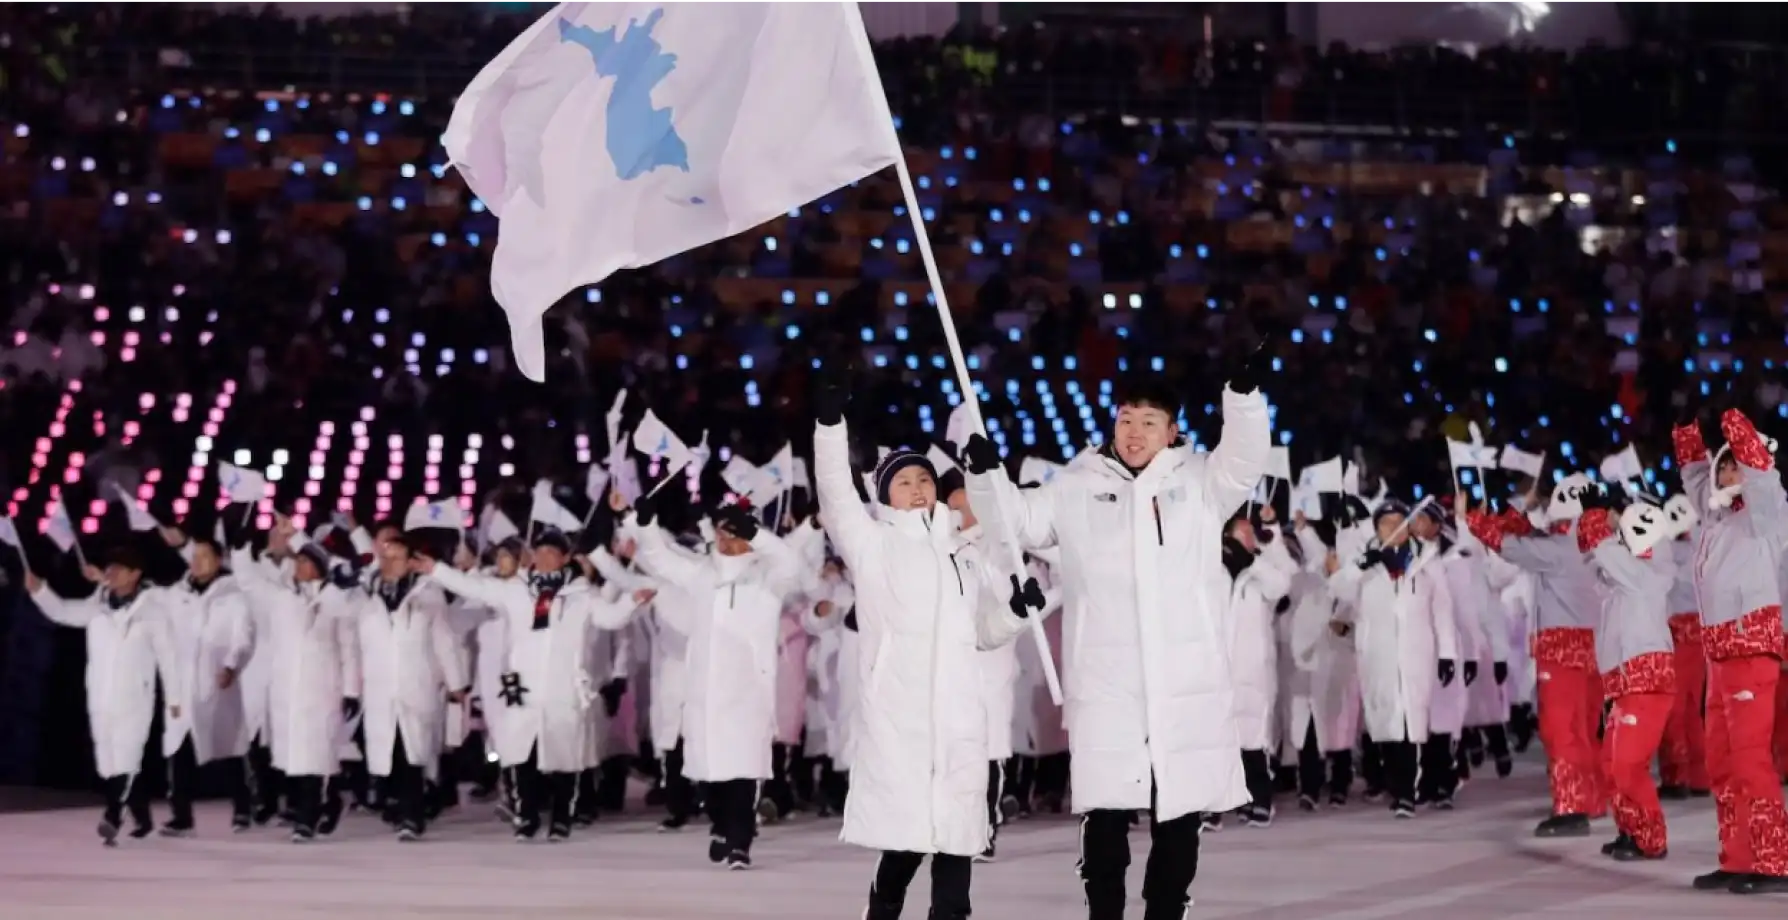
(537, 793)
(834, 784)
(1021, 777)
(1052, 779)
(1315, 766)
(128, 791)
(183, 784)
(404, 789)
(679, 793)
(1259, 775)
(894, 873)
(265, 784)
(304, 796)
(611, 782)
(995, 778)
(1401, 765)
(777, 788)
(1439, 774)
(732, 806)
(1105, 860)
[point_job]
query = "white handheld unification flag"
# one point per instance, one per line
(1514, 458)
(802, 480)
(548, 512)
(61, 529)
(612, 419)
(497, 526)
(614, 135)
(940, 461)
(961, 426)
(9, 534)
(740, 475)
(240, 485)
(775, 477)
(140, 520)
(1326, 476)
(1471, 455)
(1623, 466)
(1037, 470)
(595, 482)
(444, 514)
(655, 439)
(1279, 463)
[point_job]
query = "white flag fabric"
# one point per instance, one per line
(960, 426)
(1514, 458)
(940, 461)
(614, 135)
(700, 453)
(1305, 497)
(61, 530)
(655, 439)
(1279, 463)
(775, 477)
(548, 512)
(1326, 476)
(1037, 470)
(497, 526)
(801, 479)
(444, 514)
(595, 483)
(1623, 466)
(1467, 455)
(1350, 477)
(240, 485)
(140, 520)
(740, 475)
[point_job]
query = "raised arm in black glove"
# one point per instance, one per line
(737, 521)
(1471, 673)
(1245, 374)
(344, 575)
(831, 393)
(1371, 558)
(611, 694)
(645, 508)
(1025, 597)
(1500, 670)
(1447, 672)
(1593, 496)
(979, 455)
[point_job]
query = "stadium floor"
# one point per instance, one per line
(1476, 863)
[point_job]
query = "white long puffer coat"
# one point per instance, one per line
(316, 663)
(1469, 590)
(1036, 720)
(1254, 643)
(1149, 698)
(1326, 685)
(832, 659)
(126, 648)
(729, 712)
(211, 630)
(927, 601)
(410, 662)
(1404, 626)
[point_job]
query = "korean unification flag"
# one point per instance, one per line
(240, 485)
(614, 135)
(655, 439)
(444, 515)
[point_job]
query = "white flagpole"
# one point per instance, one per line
(963, 380)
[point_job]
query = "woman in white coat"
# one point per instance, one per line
(128, 644)
(316, 668)
(1469, 588)
(833, 655)
(926, 602)
(729, 715)
(411, 669)
(214, 638)
(1260, 569)
(1407, 642)
(1325, 719)
(545, 687)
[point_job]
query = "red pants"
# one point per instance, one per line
(1570, 703)
(1635, 727)
(1741, 711)
(1781, 731)
(1682, 760)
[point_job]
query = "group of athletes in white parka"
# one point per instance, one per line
(1201, 643)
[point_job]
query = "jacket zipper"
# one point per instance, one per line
(1160, 536)
(953, 567)
(732, 595)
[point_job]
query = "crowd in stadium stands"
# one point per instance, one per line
(193, 263)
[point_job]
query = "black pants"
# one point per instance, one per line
(184, 782)
(264, 782)
(777, 789)
(404, 789)
(128, 791)
(588, 799)
(834, 784)
(554, 794)
(1021, 777)
(732, 805)
(1496, 741)
(1372, 767)
(894, 872)
(1401, 766)
(1052, 779)
(1316, 765)
(304, 796)
(1105, 859)
(995, 776)
(611, 782)
(1439, 777)
(800, 773)
(1260, 778)
(679, 793)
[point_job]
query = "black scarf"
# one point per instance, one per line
(200, 587)
(1236, 557)
(121, 601)
(393, 592)
(546, 586)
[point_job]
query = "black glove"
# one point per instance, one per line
(979, 455)
(1594, 497)
(1283, 605)
(645, 508)
(1471, 673)
(611, 694)
(513, 693)
(1447, 672)
(1500, 670)
(343, 575)
(1025, 597)
(350, 707)
(830, 395)
(1245, 374)
(737, 521)
(1371, 558)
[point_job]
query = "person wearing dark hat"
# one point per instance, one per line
(1469, 587)
(548, 610)
(490, 640)
(1407, 640)
(316, 667)
(1487, 700)
(927, 602)
(1149, 702)
(214, 638)
(1324, 721)
(128, 645)
(1260, 569)
(729, 713)
(411, 670)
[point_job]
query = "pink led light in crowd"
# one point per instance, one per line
(181, 507)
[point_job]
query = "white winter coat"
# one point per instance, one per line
(550, 662)
(315, 664)
(1403, 627)
(832, 656)
(729, 711)
(1036, 719)
(1469, 589)
(1150, 704)
(125, 650)
(1254, 643)
(1488, 701)
(410, 661)
(211, 631)
(926, 602)
(666, 649)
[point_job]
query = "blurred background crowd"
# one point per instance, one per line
(227, 234)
